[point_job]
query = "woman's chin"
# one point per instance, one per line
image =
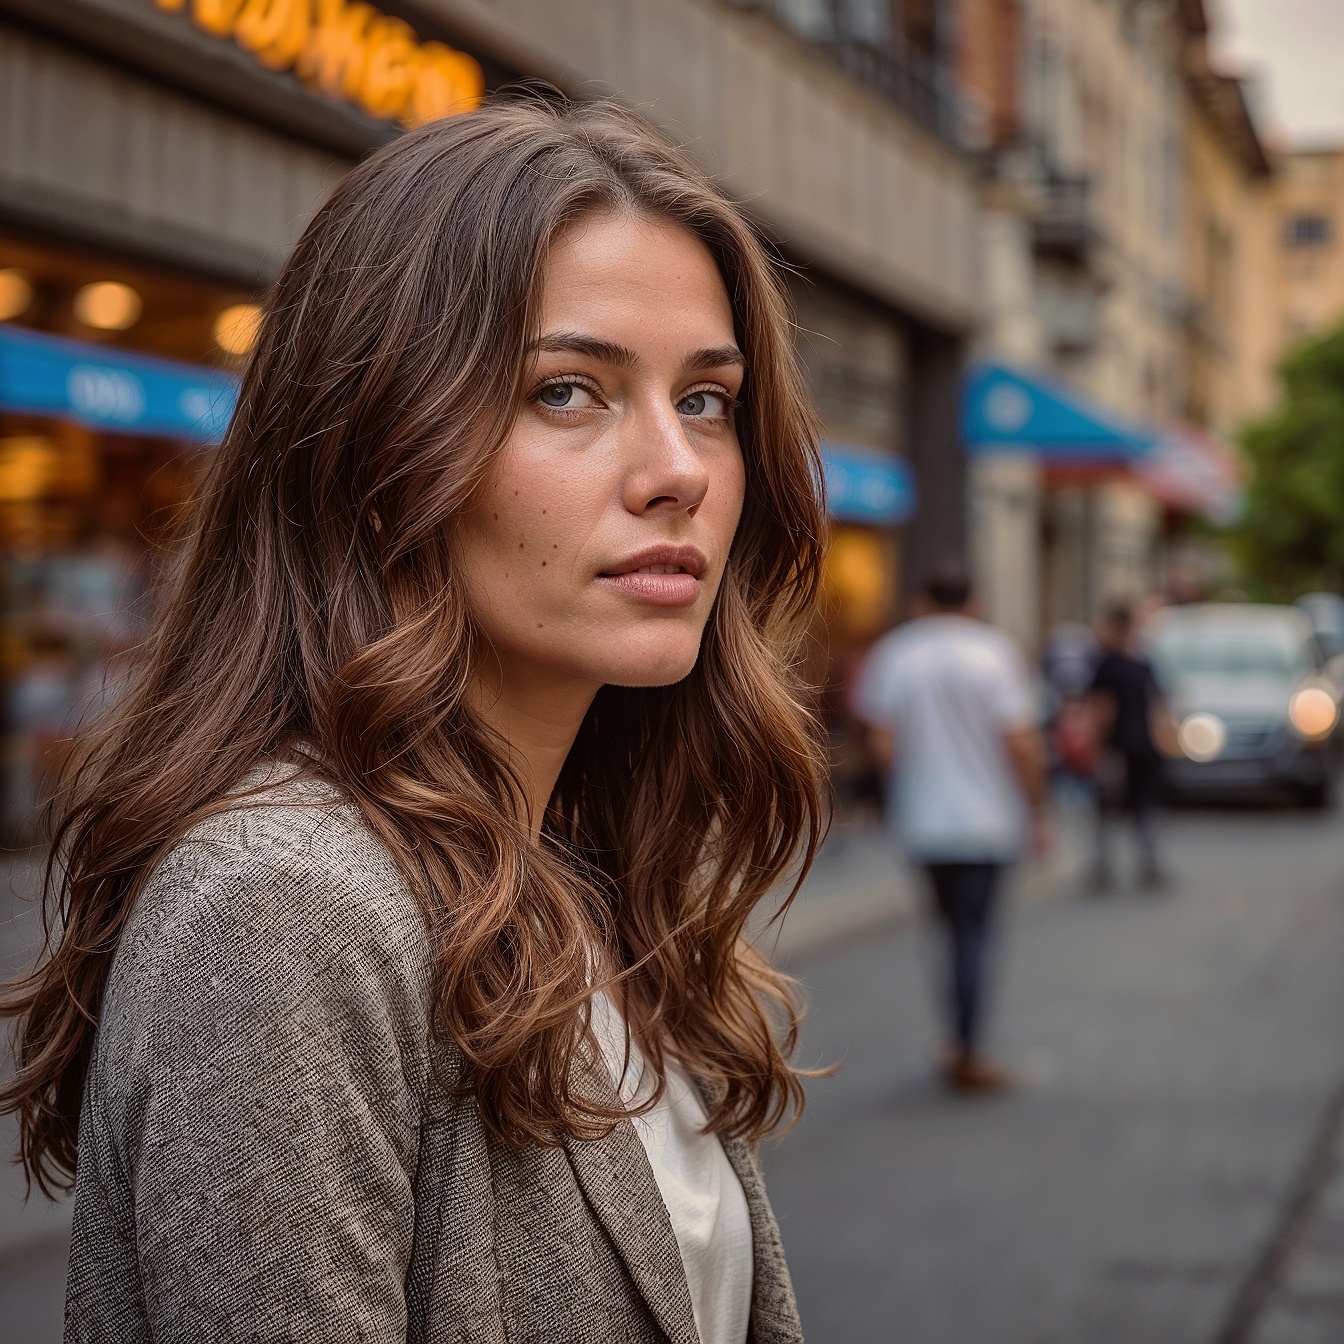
(662, 663)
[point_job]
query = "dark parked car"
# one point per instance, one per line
(1254, 708)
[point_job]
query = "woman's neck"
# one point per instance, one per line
(537, 718)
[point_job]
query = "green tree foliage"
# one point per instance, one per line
(1291, 537)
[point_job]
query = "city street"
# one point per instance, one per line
(1180, 1056)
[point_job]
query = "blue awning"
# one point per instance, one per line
(864, 486)
(111, 390)
(1007, 410)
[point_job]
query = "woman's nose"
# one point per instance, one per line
(666, 471)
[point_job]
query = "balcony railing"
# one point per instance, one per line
(919, 86)
(908, 79)
(1065, 226)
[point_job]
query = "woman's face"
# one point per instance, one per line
(596, 547)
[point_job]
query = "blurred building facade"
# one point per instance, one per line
(158, 158)
(1228, 178)
(1104, 141)
(1294, 274)
(1082, 113)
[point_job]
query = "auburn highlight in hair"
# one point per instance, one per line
(314, 605)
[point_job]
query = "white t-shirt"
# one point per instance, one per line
(950, 687)
(704, 1198)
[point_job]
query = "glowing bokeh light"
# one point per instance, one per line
(236, 328)
(108, 305)
(16, 293)
(1313, 712)
(1202, 736)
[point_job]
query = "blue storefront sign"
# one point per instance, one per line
(111, 390)
(863, 486)
(1008, 410)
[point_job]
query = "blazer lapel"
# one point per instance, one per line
(618, 1182)
(774, 1312)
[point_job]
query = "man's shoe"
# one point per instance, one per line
(973, 1074)
(1100, 882)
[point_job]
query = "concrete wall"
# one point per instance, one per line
(1005, 506)
(836, 172)
(96, 153)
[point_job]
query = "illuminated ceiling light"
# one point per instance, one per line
(236, 328)
(16, 293)
(108, 305)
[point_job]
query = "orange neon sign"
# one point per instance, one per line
(349, 50)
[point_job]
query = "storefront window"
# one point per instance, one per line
(85, 512)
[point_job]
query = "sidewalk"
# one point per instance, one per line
(22, 1225)
(1304, 1303)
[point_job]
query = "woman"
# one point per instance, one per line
(467, 740)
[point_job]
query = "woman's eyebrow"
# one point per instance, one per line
(608, 352)
(715, 357)
(576, 343)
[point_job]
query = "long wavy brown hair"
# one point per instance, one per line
(314, 601)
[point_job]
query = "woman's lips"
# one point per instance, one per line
(659, 585)
(664, 575)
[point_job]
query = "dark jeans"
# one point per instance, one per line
(964, 896)
(1138, 791)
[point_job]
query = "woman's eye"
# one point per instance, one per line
(566, 397)
(704, 405)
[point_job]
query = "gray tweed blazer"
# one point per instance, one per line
(265, 1154)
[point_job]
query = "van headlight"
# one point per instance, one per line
(1313, 713)
(1202, 736)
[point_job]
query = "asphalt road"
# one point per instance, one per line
(1168, 1173)
(1163, 1176)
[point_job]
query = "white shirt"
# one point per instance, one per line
(700, 1189)
(951, 687)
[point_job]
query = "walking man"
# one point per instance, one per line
(1127, 708)
(950, 704)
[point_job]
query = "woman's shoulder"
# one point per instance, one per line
(285, 876)
(274, 964)
(284, 822)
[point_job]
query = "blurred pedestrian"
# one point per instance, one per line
(951, 706)
(1068, 660)
(401, 989)
(1130, 714)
